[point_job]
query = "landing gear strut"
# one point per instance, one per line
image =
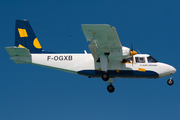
(110, 88)
(170, 81)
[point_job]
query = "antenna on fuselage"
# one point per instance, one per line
(138, 51)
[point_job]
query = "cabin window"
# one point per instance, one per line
(140, 59)
(151, 60)
(127, 60)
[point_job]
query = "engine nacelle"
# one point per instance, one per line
(119, 54)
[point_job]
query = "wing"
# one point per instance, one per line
(103, 38)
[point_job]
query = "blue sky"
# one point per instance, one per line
(29, 92)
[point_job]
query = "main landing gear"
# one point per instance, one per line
(106, 78)
(110, 88)
(170, 81)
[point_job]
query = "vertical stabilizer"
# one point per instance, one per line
(25, 37)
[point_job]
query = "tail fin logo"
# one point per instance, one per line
(22, 32)
(25, 37)
(36, 44)
(21, 46)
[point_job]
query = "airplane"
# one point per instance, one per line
(108, 58)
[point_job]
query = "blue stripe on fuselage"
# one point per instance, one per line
(121, 74)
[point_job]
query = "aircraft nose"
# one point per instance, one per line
(172, 69)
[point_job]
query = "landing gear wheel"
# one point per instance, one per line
(110, 88)
(105, 76)
(170, 82)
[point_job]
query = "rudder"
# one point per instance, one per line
(25, 37)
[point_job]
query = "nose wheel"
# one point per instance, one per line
(170, 81)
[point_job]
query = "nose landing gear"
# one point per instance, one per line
(170, 81)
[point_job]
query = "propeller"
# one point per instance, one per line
(132, 52)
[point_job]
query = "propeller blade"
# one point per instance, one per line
(132, 52)
(131, 46)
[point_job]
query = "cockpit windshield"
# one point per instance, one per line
(151, 60)
(140, 59)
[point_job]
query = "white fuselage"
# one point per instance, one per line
(84, 64)
(65, 62)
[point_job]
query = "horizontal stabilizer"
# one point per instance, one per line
(17, 51)
(19, 55)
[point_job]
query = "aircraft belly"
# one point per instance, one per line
(118, 70)
(120, 74)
